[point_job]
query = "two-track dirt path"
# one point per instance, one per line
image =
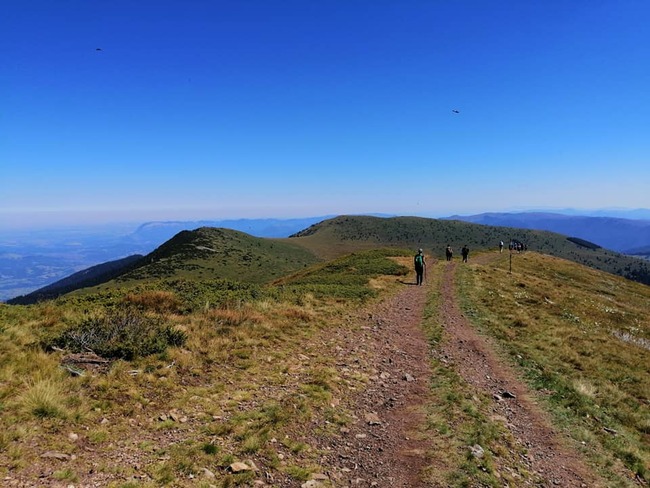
(475, 359)
(383, 448)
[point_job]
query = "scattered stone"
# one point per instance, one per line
(73, 437)
(372, 419)
(408, 377)
(208, 474)
(239, 467)
(55, 455)
(105, 421)
(477, 451)
(311, 484)
(174, 416)
(162, 417)
(319, 476)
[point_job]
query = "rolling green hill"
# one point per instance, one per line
(209, 252)
(349, 233)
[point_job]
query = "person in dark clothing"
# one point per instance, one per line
(465, 253)
(420, 265)
(449, 252)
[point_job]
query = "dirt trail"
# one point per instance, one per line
(474, 357)
(383, 448)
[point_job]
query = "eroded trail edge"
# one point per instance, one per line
(473, 356)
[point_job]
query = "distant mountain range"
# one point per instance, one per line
(34, 260)
(622, 235)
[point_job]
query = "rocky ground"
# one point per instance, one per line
(383, 447)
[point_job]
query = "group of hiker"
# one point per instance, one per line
(464, 252)
(421, 265)
(514, 245)
(420, 262)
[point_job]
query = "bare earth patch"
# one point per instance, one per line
(383, 447)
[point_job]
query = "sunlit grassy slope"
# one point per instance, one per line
(582, 337)
(214, 254)
(249, 371)
(222, 253)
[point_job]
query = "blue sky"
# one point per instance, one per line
(229, 109)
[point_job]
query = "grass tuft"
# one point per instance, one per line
(44, 399)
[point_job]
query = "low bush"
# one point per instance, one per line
(123, 334)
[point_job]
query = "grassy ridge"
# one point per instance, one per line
(582, 339)
(221, 253)
(348, 233)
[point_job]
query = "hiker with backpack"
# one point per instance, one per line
(465, 253)
(420, 266)
(449, 253)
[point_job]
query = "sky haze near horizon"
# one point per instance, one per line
(169, 110)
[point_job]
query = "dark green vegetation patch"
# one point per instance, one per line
(348, 277)
(123, 334)
(583, 243)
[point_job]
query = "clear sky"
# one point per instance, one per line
(184, 109)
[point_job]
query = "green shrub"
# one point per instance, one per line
(124, 334)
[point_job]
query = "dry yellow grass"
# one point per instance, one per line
(578, 335)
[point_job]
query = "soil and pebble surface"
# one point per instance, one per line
(384, 447)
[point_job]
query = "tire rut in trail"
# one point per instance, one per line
(474, 358)
(382, 447)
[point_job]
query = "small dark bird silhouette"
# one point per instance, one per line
(456, 111)
(98, 49)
